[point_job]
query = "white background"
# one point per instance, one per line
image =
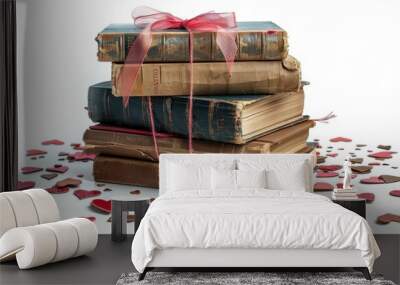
(349, 51)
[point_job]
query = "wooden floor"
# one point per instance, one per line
(110, 260)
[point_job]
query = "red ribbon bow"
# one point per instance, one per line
(150, 19)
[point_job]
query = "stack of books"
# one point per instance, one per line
(344, 194)
(257, 108)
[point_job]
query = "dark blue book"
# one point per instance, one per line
(231, 119)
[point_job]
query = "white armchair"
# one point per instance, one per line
(31, 231)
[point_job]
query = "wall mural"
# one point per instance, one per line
(122, 144)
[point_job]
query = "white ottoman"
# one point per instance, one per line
(31, 233)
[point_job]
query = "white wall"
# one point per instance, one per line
(349, 52)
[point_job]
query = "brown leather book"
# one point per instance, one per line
(129, 143)
(212, 78)
(128, 171)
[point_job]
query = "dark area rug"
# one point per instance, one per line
(229, 278)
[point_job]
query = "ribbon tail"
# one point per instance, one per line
(326, 118)
(226, 41)
(130, 71)
(153, 128)
(190, 107)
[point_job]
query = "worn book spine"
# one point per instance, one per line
(213, 119)
(212, 78)
(104, 140)
(170, 46)
(120, 170)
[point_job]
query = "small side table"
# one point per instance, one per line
(355, 205)
(119, 214)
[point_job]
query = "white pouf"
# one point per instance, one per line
(31, 233)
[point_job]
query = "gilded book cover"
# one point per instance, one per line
(256, 41)
(213, 78)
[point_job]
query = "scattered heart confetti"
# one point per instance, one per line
(385, 147)
(333, 154)
(372, 180)
(387, 218)
(33, 158)
(381, 154)
(75, 144)
(369, 197)
(49, 176)
(333, 167)
(362, 169)
(390, 178)
(80, 175)
(361, 145)
(356, 160)
(321, 159)
(130, 218)
(395, 167)
(340, 148)
(90, 218)
(374, 163)
(322, 186)
(100, 184)
(57, 190)
(30, 169)
(78, 156)
(385, 164)
(102, 205)
(71, 182)
(33, 152)
(23, 185)
(340, 139)
(63, 153)
(53, 142)
(357, 148)
(326, 174)
(58, 168)
(107, 190)
(83, 194)
(395, 193)
(135, 192)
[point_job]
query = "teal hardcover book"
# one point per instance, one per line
(255, 40)
(232, 119)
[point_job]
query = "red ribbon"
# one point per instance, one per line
(150, 19)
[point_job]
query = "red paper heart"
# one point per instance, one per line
(32, 152)
(70, 182)
(369, 197)
(53, 142)
(57, 190)
(23, 185)
(30, 169)
(81, 156)
(58, 168)
(340, 139)
(381, 154)
(332, 167)
(83, 194)
(322, 186)
(102, 205)
(333, 154)
(387, 218)
(327, 174)
(372, 180)
(395, 193)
